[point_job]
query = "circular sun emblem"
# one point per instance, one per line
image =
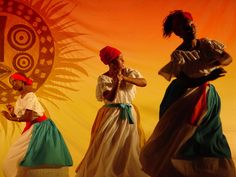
(27, 45)
(21, 37)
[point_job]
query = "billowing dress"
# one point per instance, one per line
(188, 139)
(116, 136)
(40, 151)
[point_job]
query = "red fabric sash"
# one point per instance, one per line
(29, 124)
(200, 106)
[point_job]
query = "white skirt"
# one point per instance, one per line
(114, 148)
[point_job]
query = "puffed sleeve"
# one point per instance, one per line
(172, 68)
(216, 46)
(212, 50)
(102, 85)
(218, 50)
(32, 103)
(133, 73)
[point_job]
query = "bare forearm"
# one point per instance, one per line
(226, 59)
(195, 82)
(141, 82)
(11, 117)
(20, 119)
(27, 117)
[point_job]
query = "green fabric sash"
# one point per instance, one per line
(125, 111)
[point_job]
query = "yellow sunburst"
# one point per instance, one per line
(50, 57)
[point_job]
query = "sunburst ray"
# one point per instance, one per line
(67, 68)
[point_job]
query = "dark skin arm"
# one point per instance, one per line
(141, 82)
(27, 117)
(227, 59)
(111, 95)
(182, 83)
(194, 82)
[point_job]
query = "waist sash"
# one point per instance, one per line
(29, 124)
(125, 111)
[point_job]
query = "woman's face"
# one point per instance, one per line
(118, 64)
(16, 84)
(184, 28)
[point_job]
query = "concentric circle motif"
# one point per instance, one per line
(23, 62)
(21, 37)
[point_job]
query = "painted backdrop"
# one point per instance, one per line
(57, 43)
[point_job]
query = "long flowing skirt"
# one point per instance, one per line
(179, 148)
(39, 152)
(114, 147)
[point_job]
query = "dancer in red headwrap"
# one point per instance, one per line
(188, 140)
(40, 150)
(116, 135)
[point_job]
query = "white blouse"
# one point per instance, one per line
(126, 92)
(30, 102)
(195, 63)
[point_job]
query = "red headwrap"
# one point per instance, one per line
(20, 77)
(188, 15)
(107, 54)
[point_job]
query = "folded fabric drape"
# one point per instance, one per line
(125, 112)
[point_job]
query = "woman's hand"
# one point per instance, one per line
(10, 108)
(118, 76)
(194, 82)
(111, 94)
(216, 73)
(6, 115)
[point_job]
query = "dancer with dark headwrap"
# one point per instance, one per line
(40, 150)
(188, 139)
(116, 135)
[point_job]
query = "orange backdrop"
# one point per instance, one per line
(80, 28)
